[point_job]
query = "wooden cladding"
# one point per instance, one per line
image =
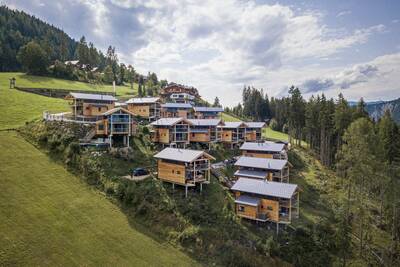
(246, 211)
(226, 136)
(140, 110)
(95, 110)
(271, 208)
(257, 155)
(170, 172)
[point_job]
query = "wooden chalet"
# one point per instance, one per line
(90, 105)
(205, 131)
(264, 201)
(184, 167)
(276, 170)
(233, 132)
(145, 107)
(254, 131)
(179, 93)
(116, 126)
(207, 112)
(264, 150)
(175, 110)
(171, 131)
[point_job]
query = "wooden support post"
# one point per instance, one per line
(290, 209)
(201, 187)
(173, 187)
(186, 191)
(277, 228)
(298, 205)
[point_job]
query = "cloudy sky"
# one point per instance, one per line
(344, 46)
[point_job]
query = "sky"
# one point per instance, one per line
(220, 46)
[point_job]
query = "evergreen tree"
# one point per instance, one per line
(216, 102)
(33, 58)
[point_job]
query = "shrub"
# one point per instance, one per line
(273, 124)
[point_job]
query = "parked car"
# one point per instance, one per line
(139, 172)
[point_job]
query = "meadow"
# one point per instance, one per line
(49, 217)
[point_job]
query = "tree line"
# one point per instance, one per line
(364, 152)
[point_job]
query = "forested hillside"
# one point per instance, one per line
(376, 110)
(18, 28)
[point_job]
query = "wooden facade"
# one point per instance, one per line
(263, 169)
(148, 108)
(173, 88)
(266, 201)
(207, 112)
(184, 166)
(169, 131)
(205, 130)
(116, 125)
(264, 150)
(176, 110)
(90, 105)
(233, 132)
(254, 131)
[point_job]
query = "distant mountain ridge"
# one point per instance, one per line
(377, 108)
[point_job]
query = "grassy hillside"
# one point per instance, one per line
(50, 218)
(19, 107)
(32, 81)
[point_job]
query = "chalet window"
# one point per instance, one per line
(101, 127)
(178, 172)
(99, 109)
(241, 208)
(270, 208)
(192, 134)
(173, 171)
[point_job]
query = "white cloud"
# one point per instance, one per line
(217, 46)
(343, 13)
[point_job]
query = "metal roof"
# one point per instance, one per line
(247, 200)
(251, 174)
(234, 124)
(267, 146)
(183, 155)
(176, 105)
(167, 121)
(93, 97)
(205, 122)
(261, 163)
(143, 100)
(208, 109)
(255, 124)
(264, 187)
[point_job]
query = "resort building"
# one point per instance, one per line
(90, 105)
(264, 150)
(264, 201)
(254, 131)
(175, 110)
(116, 127)
(179, 93)
(205, 131)
(145, 107)
(233, 132)
(184, 167)
(171, 131)
(207, 112)
(262, 168)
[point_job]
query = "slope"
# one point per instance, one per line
(51, 218)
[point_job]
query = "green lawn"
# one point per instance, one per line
(18, 107)
(32, 81)
(50, 218)
(228, 117)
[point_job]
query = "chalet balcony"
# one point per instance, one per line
(119, 120)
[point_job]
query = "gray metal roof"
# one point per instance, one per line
(273, 147)
(208, 109)
(143, 100)
(247, 200)
(93, 97)
(261, 163)
(265, 188)
(205, 122)
(251, 174)
(177, 105)
(255, 124)
(234, 124)
(183, 155)
(167, 121)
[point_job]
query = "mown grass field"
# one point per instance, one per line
(32, 81)
(50, 218)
